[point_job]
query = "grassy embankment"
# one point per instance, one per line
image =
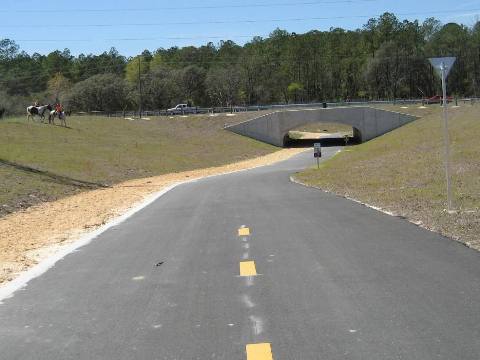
(403, 172)
(108, 151)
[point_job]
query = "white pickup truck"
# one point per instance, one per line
(182, 109)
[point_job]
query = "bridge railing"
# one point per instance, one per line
(251, 108)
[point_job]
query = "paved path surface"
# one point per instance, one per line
(335, 280)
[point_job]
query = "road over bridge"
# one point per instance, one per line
(367, 122)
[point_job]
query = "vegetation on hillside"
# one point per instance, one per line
(41, 163)
(384, 59)
(403, 172)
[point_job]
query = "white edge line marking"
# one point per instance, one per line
(295, 181)
(22, 280)
(418, 223)
(8, 290)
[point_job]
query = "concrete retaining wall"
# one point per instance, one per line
(367, 122)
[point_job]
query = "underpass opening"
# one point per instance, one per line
(328, 134)
(366, 123)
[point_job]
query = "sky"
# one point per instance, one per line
(94, 26)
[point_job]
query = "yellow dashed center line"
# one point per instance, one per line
(247, 268)
(259, 352)
(245, 231)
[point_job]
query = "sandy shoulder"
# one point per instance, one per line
(30, 236)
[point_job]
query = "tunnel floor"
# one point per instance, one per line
(326, 142)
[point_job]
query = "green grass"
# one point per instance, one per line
(111, 150)
(403, 171)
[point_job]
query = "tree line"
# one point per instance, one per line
(385, 59)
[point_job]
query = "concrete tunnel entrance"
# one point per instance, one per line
(366, 123)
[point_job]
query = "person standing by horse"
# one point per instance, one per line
(59, 109)
(58, 112)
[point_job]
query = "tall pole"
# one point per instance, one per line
(140, 86)
(446, 139)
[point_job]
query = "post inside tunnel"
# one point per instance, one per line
(328, 134)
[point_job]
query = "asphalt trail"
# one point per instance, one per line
(335, 280)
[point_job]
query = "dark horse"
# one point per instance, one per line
(38, 110)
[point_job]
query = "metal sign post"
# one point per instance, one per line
(317, 153)
(443, 67)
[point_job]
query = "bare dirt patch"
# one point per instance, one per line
(31, 235)
(308, 135)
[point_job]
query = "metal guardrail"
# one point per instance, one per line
(250, 108)
(236, 109)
